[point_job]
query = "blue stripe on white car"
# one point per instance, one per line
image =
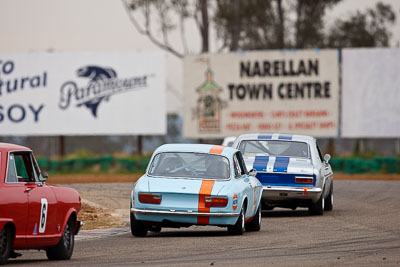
(260, 163)
(285, 137)
(281, 164)
(265, 136)
(273, 164)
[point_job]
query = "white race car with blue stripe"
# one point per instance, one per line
(291, 169)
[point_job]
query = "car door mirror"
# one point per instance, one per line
(253, 172)
(44, 176)
(327, 158)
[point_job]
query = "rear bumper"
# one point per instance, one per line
(169, 217)
(287, 192)
(183, 213)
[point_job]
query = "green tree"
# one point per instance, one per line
(368, 29)
(282, 24)
(309, 25)
(246, 24)
(259, 24)
(275, 24)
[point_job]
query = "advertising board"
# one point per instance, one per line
(371, 93)
(285, 91)
(121, 93)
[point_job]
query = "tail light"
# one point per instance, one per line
(304, 180)
(216, 201)
(150, 198)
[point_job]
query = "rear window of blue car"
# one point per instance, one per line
(190, 165)
(276, 148)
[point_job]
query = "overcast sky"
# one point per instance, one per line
(103, 25)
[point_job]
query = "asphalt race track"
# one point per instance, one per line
(363, 229)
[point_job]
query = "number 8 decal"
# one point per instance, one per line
(43, 215)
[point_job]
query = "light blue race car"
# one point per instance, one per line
(196, 184)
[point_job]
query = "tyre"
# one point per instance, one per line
(239, 227)
(155, 228)
(5, 244)
(266, 207)
(138, 229)
(255, 223)
(317, 208)
(329, 199)
(63, 250)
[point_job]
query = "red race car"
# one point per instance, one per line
(34, 215)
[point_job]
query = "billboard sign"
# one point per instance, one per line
(371, 93)
(273, 91)
(82, 93)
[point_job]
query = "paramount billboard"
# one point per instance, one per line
(82, 93)
(272, 91)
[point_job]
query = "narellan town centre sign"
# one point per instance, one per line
(284, 91)
(82, 93)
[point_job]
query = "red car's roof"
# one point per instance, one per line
(10, 147)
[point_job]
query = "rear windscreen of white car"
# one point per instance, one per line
(274, 148)
(190, 165)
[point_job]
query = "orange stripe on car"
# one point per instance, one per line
(216, 149)
(205, 191)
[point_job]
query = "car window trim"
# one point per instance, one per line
(237, 175)
(319, 152)
(8, 158)
(36, 172)
(242, 164)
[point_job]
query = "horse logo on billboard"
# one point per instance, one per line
(96, 74)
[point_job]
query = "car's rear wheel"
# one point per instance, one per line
(267, 207)
(5, 244)
(329, 199)
(63, 250)
(138, 229)
(318, 207)
(255, 223)
(239, 227)
(155, 228)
